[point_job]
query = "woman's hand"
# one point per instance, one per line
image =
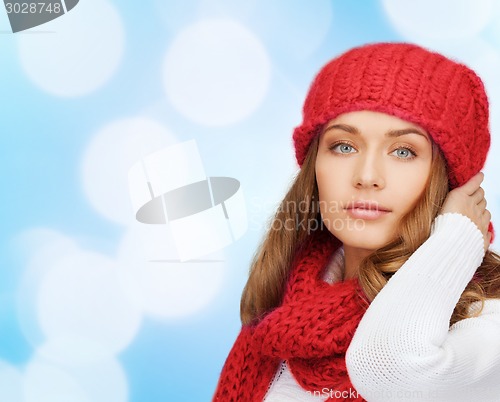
(469, 200)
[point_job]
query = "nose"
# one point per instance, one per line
(369, 173)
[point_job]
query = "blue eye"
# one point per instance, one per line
(343, 148)
(405, 153)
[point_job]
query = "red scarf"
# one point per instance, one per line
(311, 330)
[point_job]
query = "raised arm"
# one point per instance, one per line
(404, 350)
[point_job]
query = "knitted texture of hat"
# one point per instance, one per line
(442, 96)
(311, 330)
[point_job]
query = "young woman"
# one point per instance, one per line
(383, 288)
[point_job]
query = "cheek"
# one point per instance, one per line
(328, 193)
(331, 186)
(331, 200)
(322, 181)
(411, 186)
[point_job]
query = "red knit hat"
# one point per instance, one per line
(442, 96)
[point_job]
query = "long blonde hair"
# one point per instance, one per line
(272, 262)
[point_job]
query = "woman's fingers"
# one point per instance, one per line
(478, 195)
(487, 217)
(469, 200)
(473, 184)
(487, 240)
(487, 235)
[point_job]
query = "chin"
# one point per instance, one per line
(363, 240)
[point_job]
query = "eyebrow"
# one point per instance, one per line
(390, 133)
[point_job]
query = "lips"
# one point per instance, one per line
(368, 205)
(368, 210)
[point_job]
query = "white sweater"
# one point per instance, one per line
(404, 349)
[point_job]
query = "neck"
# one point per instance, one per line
(353, 257)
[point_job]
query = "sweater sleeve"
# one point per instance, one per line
(404, 348)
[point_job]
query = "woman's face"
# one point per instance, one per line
(371, 169)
